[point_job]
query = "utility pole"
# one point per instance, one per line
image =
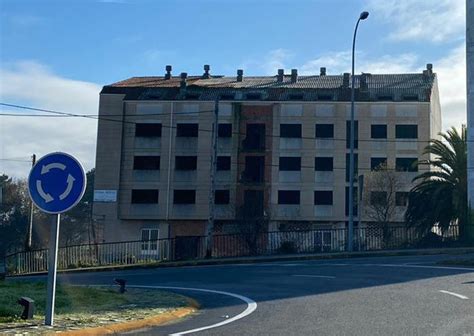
(212, 192)
(30, 226)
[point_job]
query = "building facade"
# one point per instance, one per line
(283, 148)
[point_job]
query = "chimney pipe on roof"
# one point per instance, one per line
(206, 71)
(168, 72)
(345, 79)
(240, 75)
(429, 70)
(294, 75)
(184, 75)
(280, 75)
(322, 71)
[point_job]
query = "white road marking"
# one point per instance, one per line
(422, 266)
(455, 294)
(251, 306)
(314, 276)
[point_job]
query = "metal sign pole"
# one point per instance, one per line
(52, 267)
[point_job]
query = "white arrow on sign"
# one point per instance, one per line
(47, 197)
(50, 166)
(70, 182)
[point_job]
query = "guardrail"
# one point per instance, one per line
(227, 245)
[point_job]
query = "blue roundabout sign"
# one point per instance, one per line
(56, 183)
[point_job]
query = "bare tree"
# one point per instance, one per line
(251, 222)
(379, 199)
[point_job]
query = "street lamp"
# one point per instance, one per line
(363, 16)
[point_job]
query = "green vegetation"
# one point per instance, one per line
(440, 197)
(84, 303)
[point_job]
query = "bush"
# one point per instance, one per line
(287, 247)
(430, 240)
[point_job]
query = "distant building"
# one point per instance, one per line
(282, 146)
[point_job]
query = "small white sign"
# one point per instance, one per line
(108, 196)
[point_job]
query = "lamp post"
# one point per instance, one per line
(363, 16)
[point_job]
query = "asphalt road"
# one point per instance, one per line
(372, 296)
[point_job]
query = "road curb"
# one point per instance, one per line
(260, 259)
(154, 321)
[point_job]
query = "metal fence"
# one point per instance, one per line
(368, 238)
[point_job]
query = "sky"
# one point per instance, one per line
(58, 54)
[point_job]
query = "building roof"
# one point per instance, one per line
(368, 87)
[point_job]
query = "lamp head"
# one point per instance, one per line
(364, 15)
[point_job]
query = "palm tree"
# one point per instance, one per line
(440, 197)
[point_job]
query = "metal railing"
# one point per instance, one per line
(368, 238)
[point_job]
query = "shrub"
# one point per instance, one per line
(287, 247)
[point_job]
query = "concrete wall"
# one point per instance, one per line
(117, 146)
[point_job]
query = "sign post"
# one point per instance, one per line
(56, 184)
(52, 268)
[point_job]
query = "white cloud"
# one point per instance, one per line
(340, 62)
(451, 71)
(275, 60)
(427, 20)
(30, 83)
(269, 63)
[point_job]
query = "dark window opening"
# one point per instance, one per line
(356, 165)
(378, 198)
(187, 130)
(325, 131)
(288, 197)
(325, 97)
(378, 163)
(222, 197)
(290, 163)
(254, 96)
(406, 131)
(193, 96)
(355, 208)
(254, 169)
(224, 130)
(290, 130)
(295, 96)
(323, 197)
(410, 98)
(184, 197)
(385, 98)
(146, 163)
(401, 198)
(348, 134)
(406, 165)
(148, 130)
(323, 164)
(255, 137)
(223, 163)
(186, 162)
(227, 96)
(378, 131)
(144, 196)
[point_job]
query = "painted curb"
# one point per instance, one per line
(121, 327)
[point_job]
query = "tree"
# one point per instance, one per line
(14, 217)
(251, 222)
(440, 197)
(77, 226)
(379, 200)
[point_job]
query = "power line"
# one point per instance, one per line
(96, 117)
